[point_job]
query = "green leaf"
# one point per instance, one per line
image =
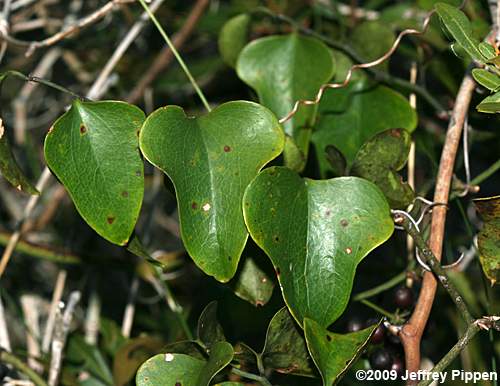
(211, 160)
(488, 239)
(294, 157)
(9, 168)
(88, 358)
(233, 37)
(486, 79)
(351, 116)
(490, 104)
(316, 233)
(209, 329)
(380, 159)
(252, 284)
(332, 353)
(459, 26)
(284, 69)
(94, 151)
(371, 40)
(285, 348)
(170, 369)
(131, 355)
(487, 50)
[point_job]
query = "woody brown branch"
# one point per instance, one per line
(411, 333)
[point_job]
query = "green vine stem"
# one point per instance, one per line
(11, 359)
(487, 323)
(434, 264)
(399, 278)
(254, 377)
(176, 54)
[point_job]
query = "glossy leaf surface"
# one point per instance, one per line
(316, 233)
(486, 79)
(233, 37)
(351, 116)
(253, 284)
(174, 369)
(211, 160)
(332, 353)
(284, 69)
(490, 104)
(94, 151)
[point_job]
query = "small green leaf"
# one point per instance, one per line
(380, 159)
(211, 160)
(285, 349)
(9, 168)
(316, 233)
(486, 79)
(293, 157)
(332, 353)
(167, 369)
(94, 151)
(351, 116)
(209, 329)
(488, 239)
(172, 369)
(233, 37)
(490, 104)
(487, 50)
(459, 26)
(284, 69)
(253, 284)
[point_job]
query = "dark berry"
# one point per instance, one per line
(394, 339)
(379, 334)
(403, 297)
(355, 324)
(380, 360)
(398, 366)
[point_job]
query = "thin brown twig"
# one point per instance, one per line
(412, 331)
(65, 32)
(376, 62)
(166, 56)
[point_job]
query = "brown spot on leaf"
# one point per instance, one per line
(83, 129)
(276, 238)
(277, 271)
(328, 338)
(227, 148)
(125, 194)
(348, 250)
(344, 222)
(110, 220)
(395, 133)
(229, 258)
(328, 213)
(194, 205)
(178, 384)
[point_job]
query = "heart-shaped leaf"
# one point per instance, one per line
(284, 69)
(380, 159)
(172, 369)
(459, 26)
(94, 151)
(233, 37)
(351, 116)
(285, 349)
(211, 160)
(332, 353)
(316, 233)
(9, 168)
(253, 284)
(488, 239)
